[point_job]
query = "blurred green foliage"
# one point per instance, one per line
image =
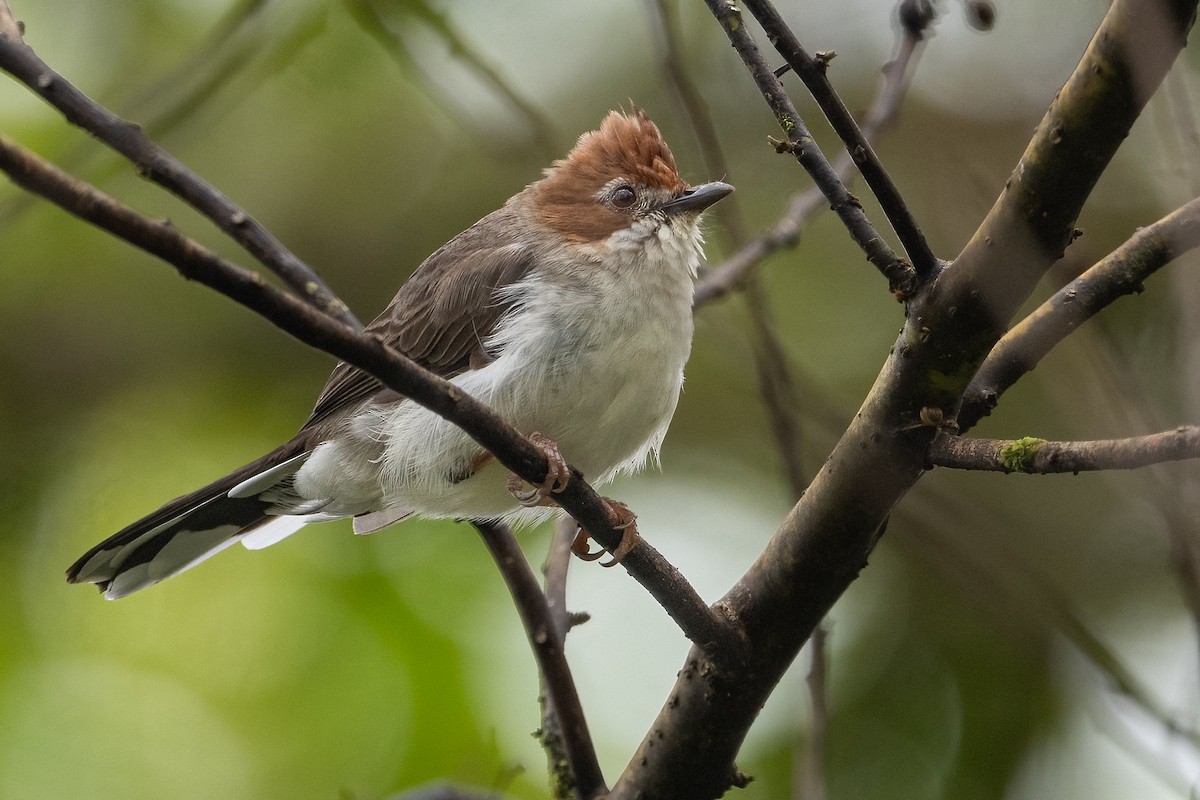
(339, 666)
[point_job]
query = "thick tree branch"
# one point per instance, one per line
(812, 72)
(1119, 274)
(547, 644)
(152, 162)
(902, 279)
(1040, 457)
(701, 624)
(720, 280)
(951, 326)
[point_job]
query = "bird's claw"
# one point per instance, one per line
(558, 475)
(581, 546)
(626, 523)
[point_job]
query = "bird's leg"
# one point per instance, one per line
(626, 523)
(557, 475)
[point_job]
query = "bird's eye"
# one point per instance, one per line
(623, 197)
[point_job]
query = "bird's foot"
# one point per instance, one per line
(557, 475)
(626, 523)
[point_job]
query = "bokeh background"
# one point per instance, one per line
(1013, 637)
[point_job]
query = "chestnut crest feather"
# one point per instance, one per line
(628, 148)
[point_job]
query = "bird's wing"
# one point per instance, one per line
(440, 318)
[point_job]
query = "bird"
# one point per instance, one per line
(568, 310)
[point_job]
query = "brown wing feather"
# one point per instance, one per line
(443, 314)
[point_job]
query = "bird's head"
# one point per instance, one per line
(618, 187)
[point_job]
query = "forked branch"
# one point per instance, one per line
(723, 278)
(812, 72)
(901, 276)
(1119, 274)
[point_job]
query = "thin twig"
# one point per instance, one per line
(1181, 499)
(812, 72)
(777, 387)
(810, 783)
(896, 77)
(1040, 457)
(373, 24)
(228, 52)
(1120, 273)
(156, 164)
(902, 278)
(547, 647)
(370, 18)
(558, 562)
(462, 48)
(222, 53)
(703, 625)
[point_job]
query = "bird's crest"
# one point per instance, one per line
(627, 146)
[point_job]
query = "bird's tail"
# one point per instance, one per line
(191, 528)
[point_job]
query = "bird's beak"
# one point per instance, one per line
(697, 198)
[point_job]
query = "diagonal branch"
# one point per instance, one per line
(1120, 273)
(1023, 594)
(1040, 457)
(722, 279)
(155, 163)
(812, 72)
(547, 645)
(902, 279)
(700, 623)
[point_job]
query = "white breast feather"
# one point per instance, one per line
(593, 360)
